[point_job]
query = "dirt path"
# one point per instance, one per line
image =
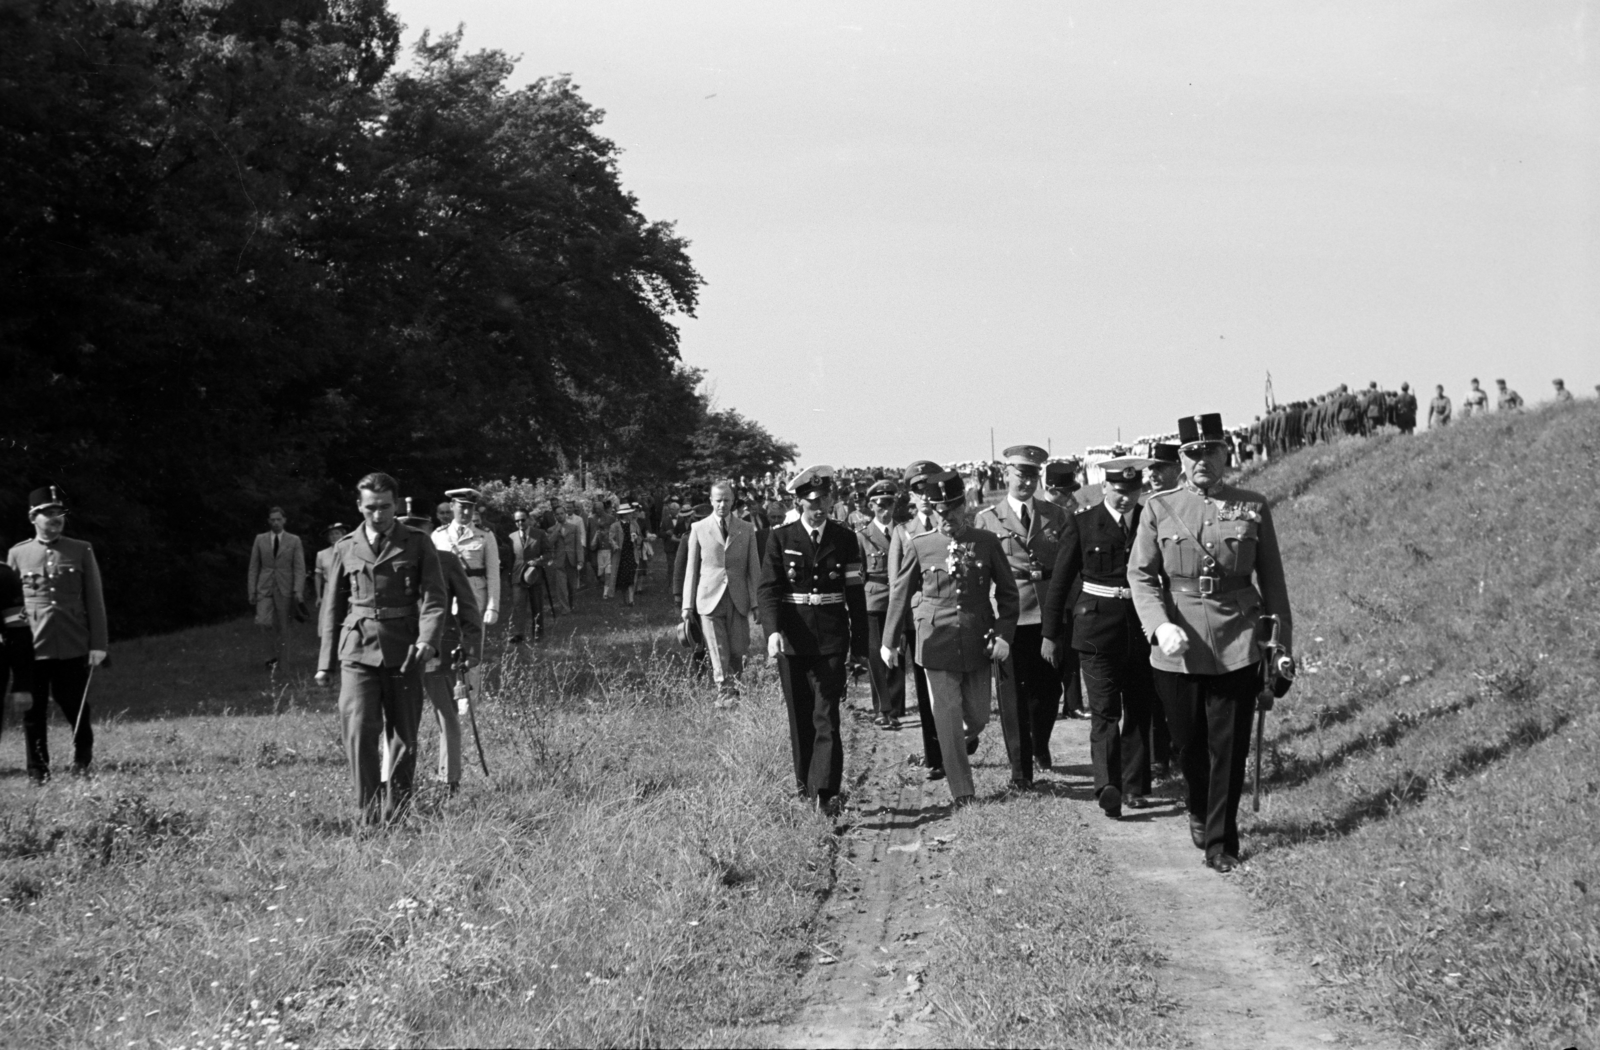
(1233, 988)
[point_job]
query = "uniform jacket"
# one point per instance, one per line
(1094, 549)
(463, 620)
(284, 574)
(16, 637)
(874, 548)
(324, 570)
(794, 570)
(715, 567)
(953, 621)
(1031, 551)
(480, 558)
(378, 606)
(1228, 534)
(61, 591)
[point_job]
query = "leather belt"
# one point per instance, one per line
(1209, 586)
(1035, 574)
(367, 611)
(877, 579)
(814, 599)
(477, 572)
(1100, 590)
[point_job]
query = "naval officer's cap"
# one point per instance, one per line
(1026, 458)
(1125, 471)
(944, 489)
(812, 482)
(46, 497)
(1198, 431)
(1061, 476)
(884, 489)
(469, 496)
(918, 472)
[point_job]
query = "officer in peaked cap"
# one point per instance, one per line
(1060, 482)
(875, 539)
(461, 628)
(1029, 531)
(67, 613)
(814, 612)
(477, 550)
(918, 519)
(1090, 610)
(1164, 471)
(1205, 569)
(943, 584)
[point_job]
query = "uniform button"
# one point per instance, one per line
(1209, 544)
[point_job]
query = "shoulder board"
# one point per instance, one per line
(990, 509)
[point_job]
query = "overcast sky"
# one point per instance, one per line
(918, 221)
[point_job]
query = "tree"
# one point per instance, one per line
(727, 445)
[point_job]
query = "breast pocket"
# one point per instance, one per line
(1179, 556)
(1241, 542)
(1103, 560)
(1085, 608)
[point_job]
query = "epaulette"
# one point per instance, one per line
(990, 509)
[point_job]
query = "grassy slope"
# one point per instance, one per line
(1429, 837)
(636, 873)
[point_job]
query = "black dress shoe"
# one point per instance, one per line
(972, 745)
(936, 773)
(1138, 801)
(1222, 863)
(1077, 712)
(1111, 801)
(1197, 832)
(1020, 786)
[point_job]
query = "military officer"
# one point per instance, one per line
(383, 621)
(477, 549)
(1164, 471)
(1060, 482)
(814, 612)
(16, 644)
(1030, 532)
(965, 612)
(462, 630)
(875, 539)
(919, 520)
(67, 612)
(1090, 609)
(324, 563)
(1205, 568)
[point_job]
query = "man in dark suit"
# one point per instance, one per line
(530, 557)
(875, 539)
(814, 612)
(1090, 609)
(1060, 483)
(918, 521)
(1029, 530)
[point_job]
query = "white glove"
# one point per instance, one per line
(97, 657)
(1172, 640)
(889, 656)
(777, 644)
(491, 617)
(999, 650)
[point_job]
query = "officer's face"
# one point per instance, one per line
(1021, 483)
(462, 511)
(1206, 464)
(721, 501)
(377, 509)
(815, 510)
(883, 509)
(949, 517)
(275, 522)
(1161, 476)
(47, 524)
(1121, 500)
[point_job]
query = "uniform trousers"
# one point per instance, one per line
(1071, 680)
(960, 701)
(1120, 694)
(272, 615)
(888, 683)
(813, 687)
(1209, 715)
(380, 703)
(727, 634)
(441, 689)
(1027, 725)
(64, 681)
(932, 753)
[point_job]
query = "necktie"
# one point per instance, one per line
(816, 538)
(379, 543)
(274, 544)
(722, 523)
(1027, 519)
(1127, 527)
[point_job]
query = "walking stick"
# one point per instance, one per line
(463, 691)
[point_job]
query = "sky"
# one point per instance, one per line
(918, 221)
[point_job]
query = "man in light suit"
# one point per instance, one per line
(277, 583)
(721, 574)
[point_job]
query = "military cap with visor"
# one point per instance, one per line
(918, 472)
(813, 482)
(944, 489)
(884, 489)
(469, 496)
(1197, 431)
(1164, 452)
(46, 497)
(1061, 476)
(1026, 458)
(1125, 471)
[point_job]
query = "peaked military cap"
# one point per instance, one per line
(812, 482)
(918, 472)
(467, 495)
(1164, 452)
(1204, 429)
(45, 497)
(884, 489)
(1125, 477)
(334, 526)
(1027, 458)
(944, 488)
(1061, 476)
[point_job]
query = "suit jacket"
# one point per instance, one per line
(1031, 551)
(875, 547)
(62, 594)
(1225, 534)
(463, 620)
(953, 613)
(797, 570)
(715, 568)
(1094, 549)
(378, 606)
(283, 574)
(532, 549)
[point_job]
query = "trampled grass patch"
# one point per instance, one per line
(636, 872)
(1428, 834)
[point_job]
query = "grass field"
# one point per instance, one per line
(1434, 779)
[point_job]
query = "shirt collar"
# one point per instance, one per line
(1017, 505)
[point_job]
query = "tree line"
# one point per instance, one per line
(250, 256)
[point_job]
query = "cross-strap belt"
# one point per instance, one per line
(373, 611)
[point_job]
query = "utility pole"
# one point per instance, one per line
(992, 456)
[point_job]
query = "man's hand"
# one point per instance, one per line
(491, 617)
(889, 656)
(1172, 640)
(999, 650)
(777, 645)
(1048, 650)
(97, 657)
(322, 679)
(424, 651)
(21, 701)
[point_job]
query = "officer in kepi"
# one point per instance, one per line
(1205, 569)
(67, 611)
(476, 549)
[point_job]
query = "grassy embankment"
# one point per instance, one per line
(1429, 837)
(635, 873)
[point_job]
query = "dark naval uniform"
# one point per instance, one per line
(1090, 609)
(888, 683)
(383, 598)
(67, 612)
(811, 593)
(1208, 563)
